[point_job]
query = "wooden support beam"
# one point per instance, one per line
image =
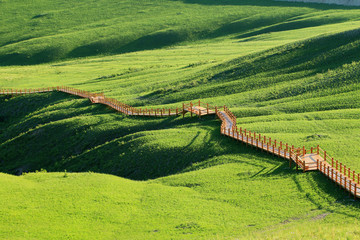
(304, 167)
(297, 164)
(191, 110)
(355, 191)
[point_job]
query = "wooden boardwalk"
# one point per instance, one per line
(306, 159)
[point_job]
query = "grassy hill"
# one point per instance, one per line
(287, 70)
(44, 32)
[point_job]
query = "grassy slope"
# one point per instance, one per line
(43, 31)
(254, 57)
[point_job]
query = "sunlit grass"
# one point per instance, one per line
(288, 71)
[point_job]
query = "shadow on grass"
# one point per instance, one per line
(97, 139)
(77, 136)
(87, 137)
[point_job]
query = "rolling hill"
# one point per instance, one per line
(287, 70)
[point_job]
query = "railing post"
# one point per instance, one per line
(183, 111)
(304, 167)
(317, 149)
(191, 113)
(355, 191)
(290, 160)
(325, 156)
(317, 164)
(297, 164)
(336, 178)
(354, 176)
(207, 108)
(345, 181)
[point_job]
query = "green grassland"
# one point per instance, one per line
(289, 71)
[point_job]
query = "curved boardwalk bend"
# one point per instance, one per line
(306, 159)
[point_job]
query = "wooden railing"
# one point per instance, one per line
(333, 169)
(119, 106)
(344, 179)
(260, 141)
(26, 91)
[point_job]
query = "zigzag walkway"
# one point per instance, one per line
(306, 159)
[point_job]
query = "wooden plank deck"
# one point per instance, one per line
(311, 161)
(200, 111)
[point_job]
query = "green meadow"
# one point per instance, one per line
(75, 170)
